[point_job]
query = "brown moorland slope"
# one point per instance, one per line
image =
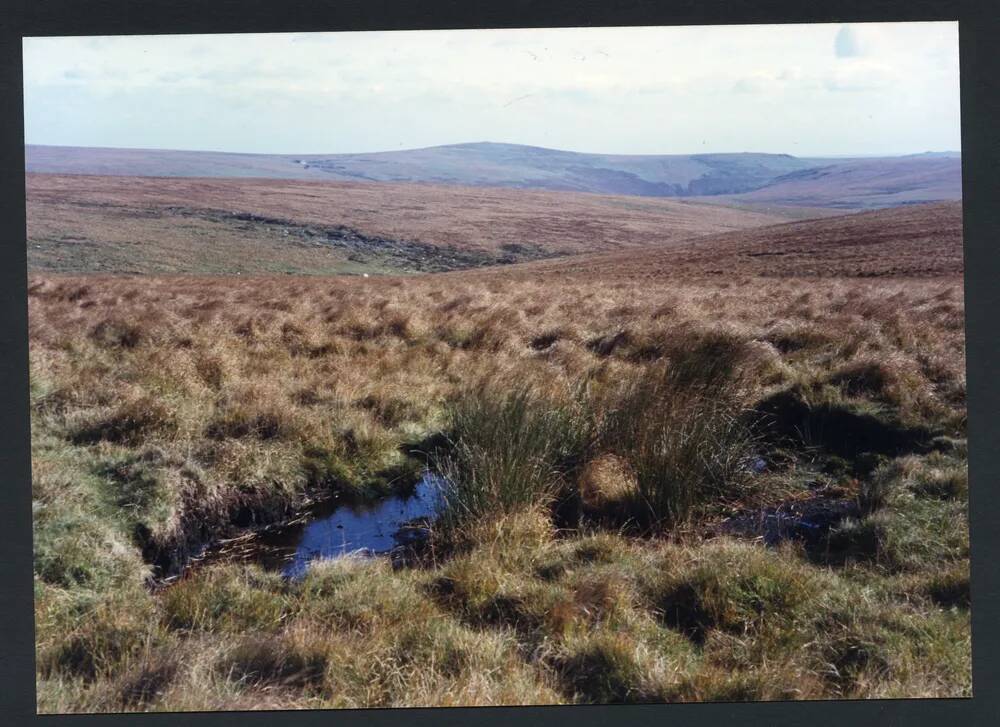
(160, 225)
(912, 241)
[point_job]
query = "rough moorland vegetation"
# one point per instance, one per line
(617, 450)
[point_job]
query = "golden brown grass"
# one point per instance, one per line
(168, 409)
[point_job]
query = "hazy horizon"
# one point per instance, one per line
(828, 90)
(504, 143)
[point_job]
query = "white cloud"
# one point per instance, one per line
(861, 75)
(756, 83)
(627, 90)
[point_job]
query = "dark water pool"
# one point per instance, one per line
(335, 529)
(807, 520)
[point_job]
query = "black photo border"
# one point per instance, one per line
(979, 31)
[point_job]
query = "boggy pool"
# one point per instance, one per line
(335, 528)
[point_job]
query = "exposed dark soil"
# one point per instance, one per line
(837, 430)
(401, 254)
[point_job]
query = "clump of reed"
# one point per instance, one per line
(511, 448)
(678, 430)
(682, 431)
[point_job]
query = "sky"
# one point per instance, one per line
(806, 90)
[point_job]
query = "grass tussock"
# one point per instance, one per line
(649, 449)
(735, 589)
(510, 449)
(681, 432)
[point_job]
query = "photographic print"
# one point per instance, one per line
(497, 367)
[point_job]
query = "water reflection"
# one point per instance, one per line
(340, 529)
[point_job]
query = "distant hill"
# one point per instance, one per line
(748, 178)
(911, 241)
(512, 165)
(161, 163)
(478, 164)
(865, 183)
